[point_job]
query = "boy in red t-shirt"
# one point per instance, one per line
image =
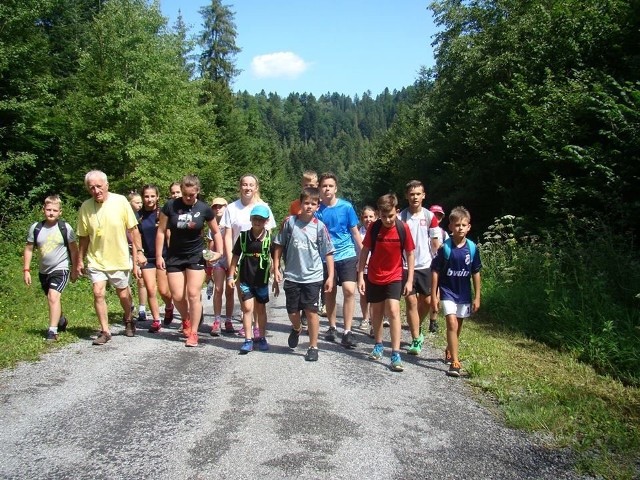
(384, 285)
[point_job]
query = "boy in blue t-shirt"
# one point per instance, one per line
(307, 242)
(450, 270)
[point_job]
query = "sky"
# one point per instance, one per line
(321, 46)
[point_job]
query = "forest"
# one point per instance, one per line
(530, 118)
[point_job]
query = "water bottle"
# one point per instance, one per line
(207, 254)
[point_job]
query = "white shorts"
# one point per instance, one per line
(460, 310)
(117, 278)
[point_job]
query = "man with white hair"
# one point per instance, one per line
(104, 221)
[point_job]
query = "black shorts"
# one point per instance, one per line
(380, 293)
(421, 281)
(179, 263)
(55, 280)
(302, 296)
(344, 271)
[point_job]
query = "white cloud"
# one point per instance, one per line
(278, 64)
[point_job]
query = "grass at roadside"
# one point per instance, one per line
(24, 317)
(541, 390)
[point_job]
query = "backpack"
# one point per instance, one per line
(447, 246)
(62, 225)
(375, 230)
(289, 224)
(265, 254)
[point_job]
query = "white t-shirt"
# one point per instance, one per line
(423, 226)
(237, 217)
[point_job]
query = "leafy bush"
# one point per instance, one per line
(575, 292)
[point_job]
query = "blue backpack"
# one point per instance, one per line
(447, 246)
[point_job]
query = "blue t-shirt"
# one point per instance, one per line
(148, 227)
(455, 274)
(339, 220)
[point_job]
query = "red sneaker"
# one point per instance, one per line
(155, 326)
(192, 340)
(186, 327)
(168, 316)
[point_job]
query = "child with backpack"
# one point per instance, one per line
(252, 258)
(387, 239)
(303, 243)
(454, 268)
(56, 241)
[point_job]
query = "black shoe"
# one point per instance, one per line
(347, 340)
(433, 326)
(330, 335)
(62, 324)
(294, 336)
(312, 355)
(51, 337)
(303, 318)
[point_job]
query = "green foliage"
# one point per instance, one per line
(576, 294)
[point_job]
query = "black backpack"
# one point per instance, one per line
(375, 230)
(62, 225)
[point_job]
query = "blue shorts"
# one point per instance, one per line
(247, 292)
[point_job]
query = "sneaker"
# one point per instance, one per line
(51, 336)
(241, 332)
(130, 328)
(371, 334)
(263, 345)
(303, 318)
(311, 355)
(142, 316)
(186, 327)
(396, 362)
(155, 326)
(416, 345)
(256, 332)
(246, 347)
(62, 324)
(357, 323)
(347, 340)
(330, 334)
(385, 322)
(365, 325)
(192, 340)
(322, 311)
(228, 326)
(215, 327)
(377, 352)
(433, 326)
(447, 357)
(294, 336)
(168, 316)
(102, 338)
(454, 369)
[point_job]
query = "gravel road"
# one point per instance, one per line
(147, 407)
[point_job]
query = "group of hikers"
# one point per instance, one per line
(322, 245)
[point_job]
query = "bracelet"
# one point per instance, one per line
(230, 278)
(140, 250)
(26, 269)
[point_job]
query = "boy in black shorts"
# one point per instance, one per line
(305, 241)
(55, 254)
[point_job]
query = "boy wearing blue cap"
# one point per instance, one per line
(252, 259)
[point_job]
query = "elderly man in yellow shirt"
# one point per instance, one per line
(104, 221)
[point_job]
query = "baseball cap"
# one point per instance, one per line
(218, 201)
(436, 209)
(260, 211)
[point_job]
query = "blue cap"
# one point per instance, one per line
(260, 211)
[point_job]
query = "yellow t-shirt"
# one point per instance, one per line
(106, 225)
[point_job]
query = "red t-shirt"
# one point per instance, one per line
(385, 263)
